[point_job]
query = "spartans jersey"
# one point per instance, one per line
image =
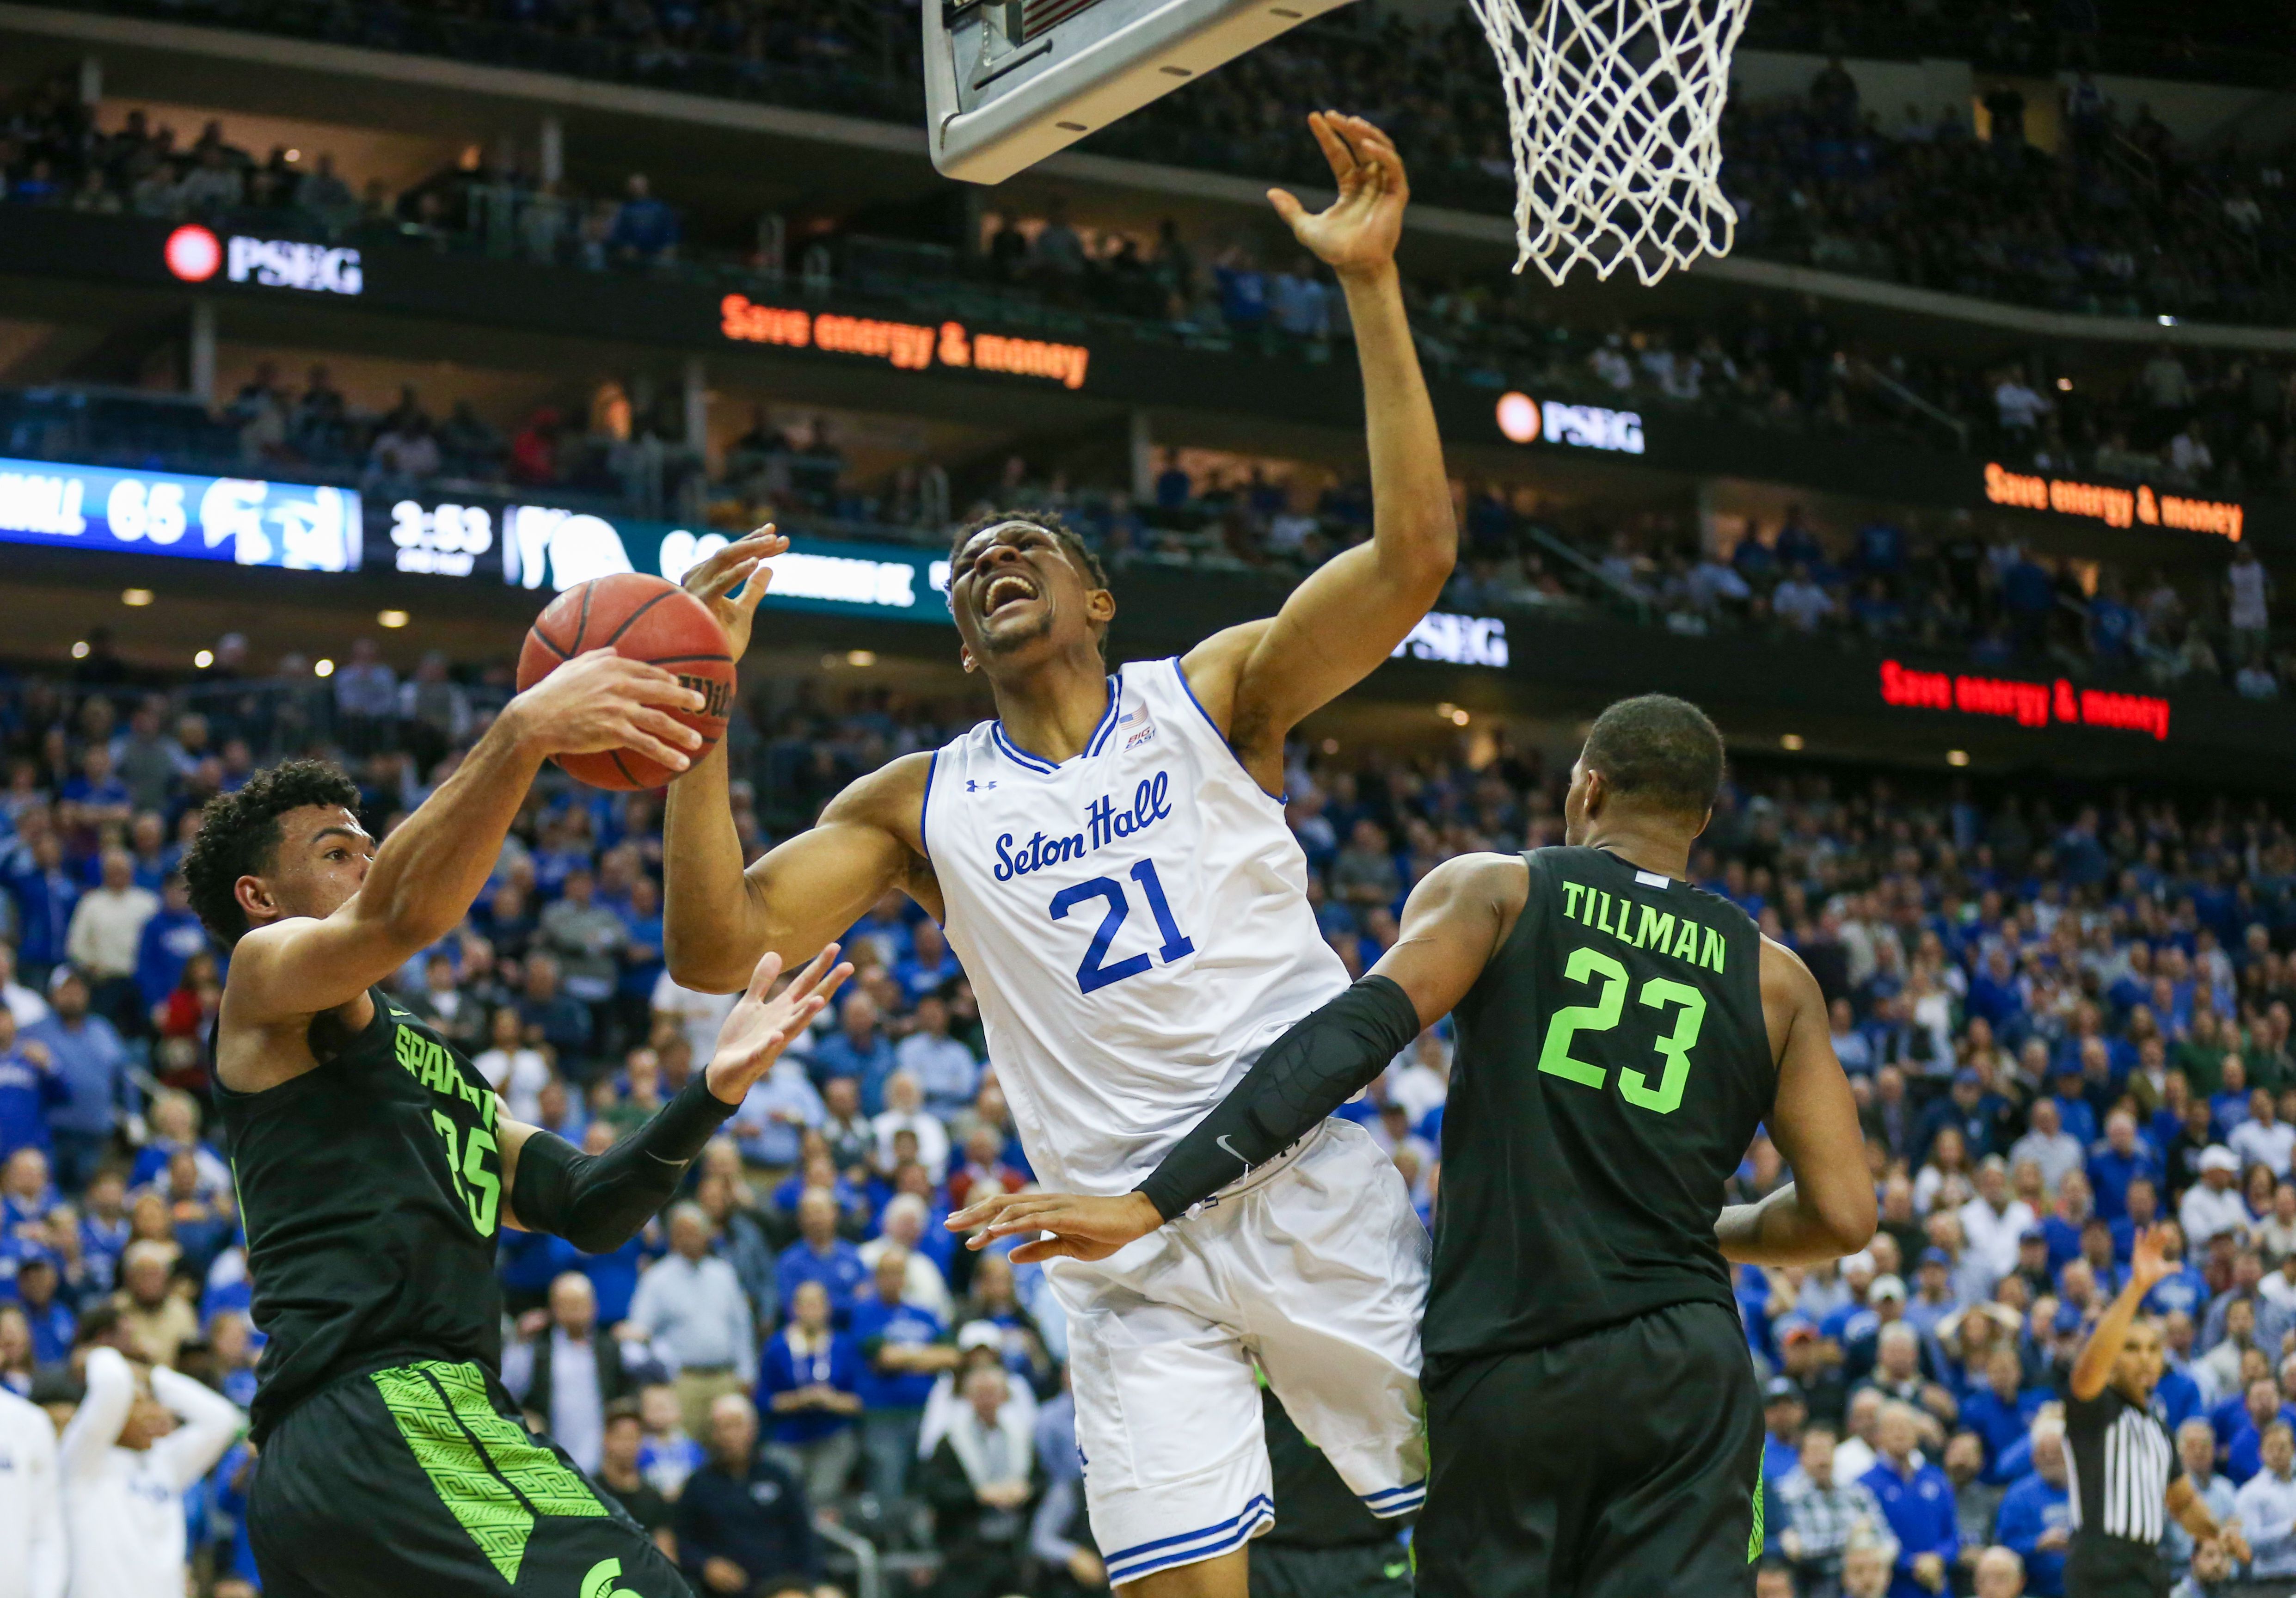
(1135, 922)
(1613, 1067)
(370, 1190)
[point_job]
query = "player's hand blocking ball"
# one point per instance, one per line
(676, 709)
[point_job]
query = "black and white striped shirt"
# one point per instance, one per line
(2121, 1461)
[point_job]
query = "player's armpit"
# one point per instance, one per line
(1828, 1209)
(720, 919)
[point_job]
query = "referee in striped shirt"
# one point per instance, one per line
(2122, 1491)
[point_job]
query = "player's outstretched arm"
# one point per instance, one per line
(599, 1201)
(434, 864)
(1454, 922)
(718, 918)
(1827, 1211)
(1260, 680)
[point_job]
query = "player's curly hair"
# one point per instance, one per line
(1072, 543)
(1660, 749)
(239, 835)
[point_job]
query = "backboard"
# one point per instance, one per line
(1009, 82)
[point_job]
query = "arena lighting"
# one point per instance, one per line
(193, 253)
(908, 346)
(1791, 743)
(323, 667)
(2114, 506)
(2032, 706)
(391, 618)
(204, 658)
(1956, 757)
(861, 657)
(1525, 421)
(79, 650)
(135, 598)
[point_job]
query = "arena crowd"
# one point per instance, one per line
(2064, 1020)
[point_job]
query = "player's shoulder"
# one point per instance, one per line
(1483, 873)
(892, 797)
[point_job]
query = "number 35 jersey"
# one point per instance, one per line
(370, 1190)
(1135, 922)
(1613, 1067)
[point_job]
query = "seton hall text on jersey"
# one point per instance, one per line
(1105, 823)
(1659, 930)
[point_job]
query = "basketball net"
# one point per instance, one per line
(1614, 108)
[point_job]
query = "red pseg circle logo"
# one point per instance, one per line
(193, 253)
(1518, 417)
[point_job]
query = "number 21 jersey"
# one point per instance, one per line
(1613, 1067)
(1135, 922)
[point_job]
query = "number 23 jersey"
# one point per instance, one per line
(1613, 1067)
(1135, 922)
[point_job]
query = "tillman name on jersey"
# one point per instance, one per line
(1660, 932)
(1103, 824)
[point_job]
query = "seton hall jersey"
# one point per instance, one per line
(1135, 922)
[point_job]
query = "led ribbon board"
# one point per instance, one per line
(245, 521)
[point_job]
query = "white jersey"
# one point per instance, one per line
(124, 1507)
(1135, 922)
(31, 1512)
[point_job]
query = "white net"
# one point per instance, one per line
(1615, 110)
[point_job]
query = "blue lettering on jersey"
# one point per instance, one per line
(1105, 823)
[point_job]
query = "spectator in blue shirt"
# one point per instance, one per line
(2036, 1515)
(1917, 1502)
(930, 966)
(904, 1347)
(742, 1526)
(88, 1054)
(646, 230)
(29, 1086)
(820, 1255)
(808, 1380)
(858, 1049)
(2116, 1162)
(2002, 1411)
(46, 896)
(52, 1321)
(168, 941)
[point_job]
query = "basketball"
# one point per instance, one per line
(639, 617)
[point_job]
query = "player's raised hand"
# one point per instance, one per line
(1082, 1227)
(732, 581)
(1358, 233)
(598, 700)
(760, 1026)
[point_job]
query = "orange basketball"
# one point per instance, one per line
(639, 617)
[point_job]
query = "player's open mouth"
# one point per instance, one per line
(1007, 588)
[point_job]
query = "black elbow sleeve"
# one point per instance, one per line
(599, 1201)
(1301, 1078)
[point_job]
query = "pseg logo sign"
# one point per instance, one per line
(195, 255)
(1526, 420)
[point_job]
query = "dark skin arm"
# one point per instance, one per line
(1454, 922)
(1827, 1211)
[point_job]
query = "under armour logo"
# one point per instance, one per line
(974, 785)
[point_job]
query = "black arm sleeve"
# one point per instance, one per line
(1304, 1075)
(599, 1201)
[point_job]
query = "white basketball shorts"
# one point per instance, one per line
(1313, 1269)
